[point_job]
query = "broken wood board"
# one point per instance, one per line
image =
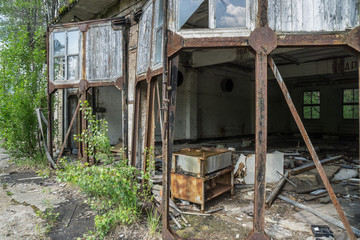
(309, 166)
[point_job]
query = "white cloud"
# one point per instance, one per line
(234, 16)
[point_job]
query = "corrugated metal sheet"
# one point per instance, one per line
(104, 53)
(313, 15)
(144, 42)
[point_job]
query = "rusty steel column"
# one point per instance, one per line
(359, 101)
(263, 40)
(168, 126)
(311, 148)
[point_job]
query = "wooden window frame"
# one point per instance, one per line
(311, 105)
(354, 103)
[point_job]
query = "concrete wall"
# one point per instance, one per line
(224, 114)
(331, 116)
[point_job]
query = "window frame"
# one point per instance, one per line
(212, 16)
(65, 55)
(354, 103)
(311, 105)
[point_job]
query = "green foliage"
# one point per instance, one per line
(97, 143)
(49, 216)
(22, 90)
(153, 221)
(115, 192)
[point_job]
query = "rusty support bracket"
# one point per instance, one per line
(311, 148)
(353, 39)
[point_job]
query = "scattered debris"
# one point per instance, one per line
(345, 174)
(276, 191)
(319, 214)
(311, 165)
(321, 231)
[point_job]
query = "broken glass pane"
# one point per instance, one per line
(59, 43)
(73, 42)
(186, 9)
(59, 68)
(158, 48)
(307, 112)
(230, 13)
(315, 98)
(315, 112)
(73, 68)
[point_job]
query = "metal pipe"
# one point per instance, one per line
(311, 148)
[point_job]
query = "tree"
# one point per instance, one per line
(23, 72)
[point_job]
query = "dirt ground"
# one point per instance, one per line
(23, 194)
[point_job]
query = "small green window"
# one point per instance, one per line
(311, 105)
(351, 103)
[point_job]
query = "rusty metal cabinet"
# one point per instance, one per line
(201, 174)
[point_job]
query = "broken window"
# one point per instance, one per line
(212, 13)
(311, 105)
(230, 13)
(66, 55)
(351, 104)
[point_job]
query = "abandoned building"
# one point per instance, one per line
(195, 78)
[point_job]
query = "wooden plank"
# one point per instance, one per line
(286, 16)
(329, 15)
(311, 165)
(308, 15)
(271, 13)
(271, 198)
(297, 12)
(318, 15)
(277, 15)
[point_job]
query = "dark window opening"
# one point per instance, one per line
(311, 105)
(351, 104)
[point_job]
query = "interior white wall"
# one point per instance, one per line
(110, 99)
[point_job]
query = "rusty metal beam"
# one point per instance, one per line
(169, 101)
(135, 124)
(149, 127)
(359, 101)
(311, 40)
(258, 231)
(311, 148)
(68, 132)
(262, 14)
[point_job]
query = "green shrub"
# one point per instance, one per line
(116, 192)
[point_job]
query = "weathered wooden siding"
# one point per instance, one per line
(144, 42)
(104, 53)
(313, 15)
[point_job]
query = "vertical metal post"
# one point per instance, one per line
(169, 122)
(149, 128)
(260, 146)
(311, 148)
(359, 101)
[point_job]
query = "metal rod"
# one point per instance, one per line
(286, 178)
(68, 132)
(311, 148)
(159, 107)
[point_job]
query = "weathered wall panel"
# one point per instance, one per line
(313, 15)
(104, 53)
(144, 42)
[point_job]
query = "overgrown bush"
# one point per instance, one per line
(115, 191)
(95, 136)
